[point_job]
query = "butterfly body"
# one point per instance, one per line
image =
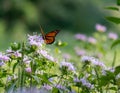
(49, 38)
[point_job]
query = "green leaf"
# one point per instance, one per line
(112, 8)
(103, 81)
(113, 88)
(36, 79)
(117, 70)
(10, 90)
(114, 59)
(52, 76)
(14, 66)
(55, 90)
(114, 19)
(116, 42)
(118, 2)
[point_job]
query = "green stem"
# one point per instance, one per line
(22, 71)
(78, 90)
(59, 80)
(31, 80)
(114, 59)
(99, 89)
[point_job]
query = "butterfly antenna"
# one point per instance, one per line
(41, 30)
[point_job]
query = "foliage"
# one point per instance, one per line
(30, 66)
(114, 8)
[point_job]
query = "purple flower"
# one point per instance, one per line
(60, 87)
(1, 63)
(35, 40)
(96, 62)
(92, 60)
(66, 56)
(26, 60)
(92, 40)
(47, 87)
(29, 90)
(10, 52)
(81, 37)
(112, 35)
(86, 83)
(28, 69)
(9, 78)
(80, 52)
(110, 69)
(69, 66)
(86, 59)
(17, 54)
(76, 79)
(45, 54)
(100, 28)
(4, 57)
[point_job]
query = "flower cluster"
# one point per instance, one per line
(92, 60)
(3, 58)
(67, 65)
(45, 54)
(81, 37)
(84, 83)
(35, 40)
(100, 28)
(112, 35)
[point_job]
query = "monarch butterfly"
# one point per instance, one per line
(49, 38)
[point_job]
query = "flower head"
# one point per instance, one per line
(47, 87)
(68, 65)
(1, 63)
(28, 69)
(81, 37)
(112, 35)
(100, 28)
(66, 56)
(3, 57)
(92, 40)
(45, 54)
(93, 60)
(16, 54)
(86, 59)
(84, 82)
(35, 40)
(26, 59)
(59, 86)
(80, 52)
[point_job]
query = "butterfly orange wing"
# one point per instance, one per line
(50, 37)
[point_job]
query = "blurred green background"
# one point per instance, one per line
(21, 17)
